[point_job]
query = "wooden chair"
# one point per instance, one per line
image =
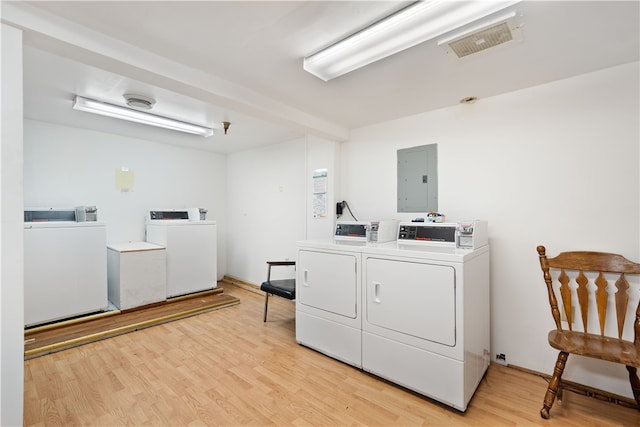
(285, 288)
(576, 270)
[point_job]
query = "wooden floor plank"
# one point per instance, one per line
(65, 334)
(228, 368)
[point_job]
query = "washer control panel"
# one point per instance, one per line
(168, 215)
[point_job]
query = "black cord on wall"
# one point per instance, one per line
(339, 208)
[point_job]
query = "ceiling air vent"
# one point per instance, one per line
(478, 39)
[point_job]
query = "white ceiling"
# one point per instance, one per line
(239, 61)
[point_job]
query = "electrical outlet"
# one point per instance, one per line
(501, 359)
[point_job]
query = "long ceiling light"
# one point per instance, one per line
(111, 110)
(415, 24)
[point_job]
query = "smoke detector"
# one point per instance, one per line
(490, 34)
(139, 102)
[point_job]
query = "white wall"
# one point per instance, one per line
(66, 167)
(555, 164)
(265, 208)
(11, 230)
(270, 204)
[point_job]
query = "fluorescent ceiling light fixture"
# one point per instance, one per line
(415, 24)
(111, 110)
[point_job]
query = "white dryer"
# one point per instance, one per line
(426, 323)
(191, 249)
(328, 298)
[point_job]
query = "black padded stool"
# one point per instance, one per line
(285, 288)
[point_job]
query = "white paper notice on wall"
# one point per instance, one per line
(124, 180)
(320, 185)
(319, 205)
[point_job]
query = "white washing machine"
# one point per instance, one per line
(328, 298)
(191, 249)
(65, 266)
(426, 322)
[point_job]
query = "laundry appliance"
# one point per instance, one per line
(328, 298)
(329, 288)
(86, 213)
(191, 249)
(426, 315)
(65, 266)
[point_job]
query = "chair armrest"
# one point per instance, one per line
(277, 263)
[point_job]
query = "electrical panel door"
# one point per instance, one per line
(418, 179)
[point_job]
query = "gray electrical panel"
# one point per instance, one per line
(418, 179)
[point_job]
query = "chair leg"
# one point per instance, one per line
(560, 393)
(266, 303)
(635, 383)
(550, 395)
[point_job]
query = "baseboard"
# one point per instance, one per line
(248, 286)
(585, 390)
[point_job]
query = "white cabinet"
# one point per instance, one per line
(137, 274)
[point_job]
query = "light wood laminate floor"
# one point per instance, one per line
(61, 335)
(228, 368)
